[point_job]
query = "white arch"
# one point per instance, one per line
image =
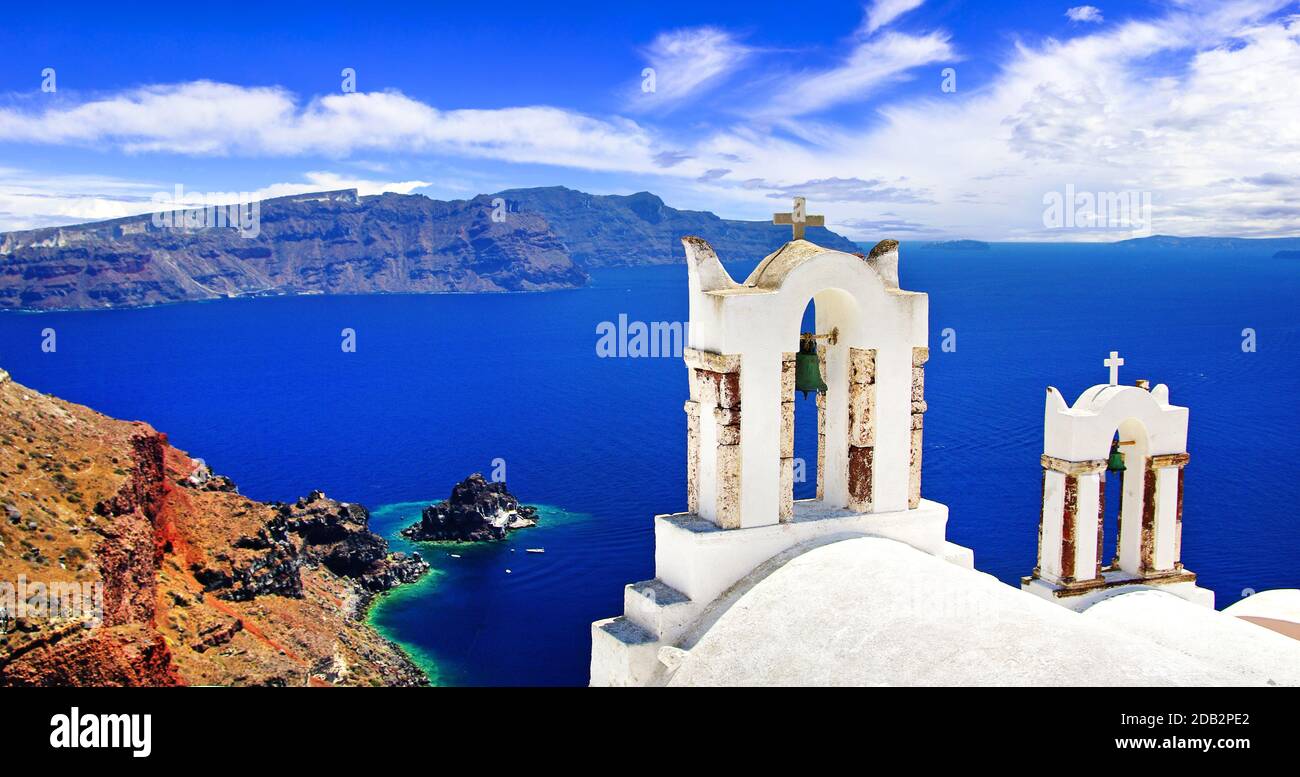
(758, 321)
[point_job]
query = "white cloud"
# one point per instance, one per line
(870, 65)
(686, 64)
(882, 12)
(30, 200)
(1084, 13)
(1092, 112)
(204, 118)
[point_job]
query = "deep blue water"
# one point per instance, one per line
(440, 386)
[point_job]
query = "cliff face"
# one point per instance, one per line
(329, 243)
(338, 243)
(199, 584)
(613, 230)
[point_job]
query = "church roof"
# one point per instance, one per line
(873, 611)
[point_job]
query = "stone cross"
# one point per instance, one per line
(799, 218)
(1114, 362)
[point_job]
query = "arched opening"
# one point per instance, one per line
(815, 426)
(1123, 494)
(805, 427)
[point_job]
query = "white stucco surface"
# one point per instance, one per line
(1203, 634)
(873, 611)
(1282, 604)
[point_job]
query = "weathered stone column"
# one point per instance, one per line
(692, 409)
(821, 427)
(862, 425)
(1162, 514)
(1068, 535)
(786, 509)
(919, 357)
(716, 412)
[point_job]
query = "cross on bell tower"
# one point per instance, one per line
(799, 218)
(1114, 362)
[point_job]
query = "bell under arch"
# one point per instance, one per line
(744, 338)
(1133, 443)
(1079, 445)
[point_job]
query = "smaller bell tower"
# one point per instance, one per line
(747, 357)
(1132, 433)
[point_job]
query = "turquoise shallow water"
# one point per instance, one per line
(479, 596)
(441, 386)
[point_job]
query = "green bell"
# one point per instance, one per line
(1116, 463)
(807, 369)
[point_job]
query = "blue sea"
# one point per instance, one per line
(442, 386)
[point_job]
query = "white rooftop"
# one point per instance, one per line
(874, 611)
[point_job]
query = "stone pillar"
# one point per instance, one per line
(786, 508)
(919, 357)
(821, 427)
(692, 409)
(1162, 514)
(862, 425)
(714, 414)
(1068, 535)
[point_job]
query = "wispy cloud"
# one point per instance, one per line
(1084, 13)
(870, 65)
(882, 12)
(837, 189)
(30, 200)
(204, 118)
(686, 64)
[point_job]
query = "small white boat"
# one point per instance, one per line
(536, 550)
(455, 555)
(507, 571)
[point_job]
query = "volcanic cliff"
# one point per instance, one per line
(200, 585)
(339, 243)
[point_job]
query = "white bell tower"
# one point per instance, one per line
(741, 510)
(1129, 432)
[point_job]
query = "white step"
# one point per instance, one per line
(660, 609)
(623, 653)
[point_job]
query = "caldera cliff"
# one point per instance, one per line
(198, 584)
(340, 243)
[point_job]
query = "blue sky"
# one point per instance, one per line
(1188, 102)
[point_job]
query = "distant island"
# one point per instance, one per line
(337, 242)
(1214, 243)
(958, 245)
(476, 511)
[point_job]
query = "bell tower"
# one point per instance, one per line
(1134, 434)
(745, 360)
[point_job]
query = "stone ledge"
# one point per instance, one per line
(1169, 460)
(1079, 596)
(1073, 467)
(711, 361)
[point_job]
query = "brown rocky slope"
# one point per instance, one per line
(200, 585)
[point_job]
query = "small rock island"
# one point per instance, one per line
(476, 511)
